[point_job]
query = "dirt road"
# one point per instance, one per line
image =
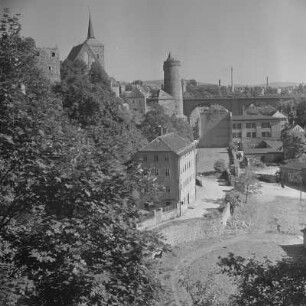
(277, 216)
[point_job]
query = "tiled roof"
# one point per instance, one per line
(74, 52)
(162, 95)
(274, 144)
(260, 151)
(297, 128)
(296, 165)
(168, 143)
(253, 117)
(278, 114)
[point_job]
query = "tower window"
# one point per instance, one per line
(50, 68)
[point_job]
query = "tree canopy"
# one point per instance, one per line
(68, 218)
(156, 119)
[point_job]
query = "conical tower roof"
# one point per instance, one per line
(90, 33)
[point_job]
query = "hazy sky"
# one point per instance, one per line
(256, 37)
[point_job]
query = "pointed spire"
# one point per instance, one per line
(90, 33)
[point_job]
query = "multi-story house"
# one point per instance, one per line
(172, 159)
(249, 129)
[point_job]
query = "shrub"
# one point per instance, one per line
(219, 166)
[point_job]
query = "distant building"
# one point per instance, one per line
(90, 51)
(283, 119)
(49, 62)
(172, 159)
(248, 129)
(293, 175)
(170, 97)
(136, 102)
(267, 151)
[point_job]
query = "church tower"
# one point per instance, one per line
(90, 51)
(173, 83)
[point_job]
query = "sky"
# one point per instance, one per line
(257, 38)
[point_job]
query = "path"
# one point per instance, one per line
(276, 206)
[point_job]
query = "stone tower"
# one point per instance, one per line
(172, 82)
(48, 61)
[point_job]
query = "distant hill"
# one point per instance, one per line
(280, 84)
(154, 83)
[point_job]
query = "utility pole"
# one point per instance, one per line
(267, 82)
(232, 79)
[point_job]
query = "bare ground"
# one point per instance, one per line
(276, 217)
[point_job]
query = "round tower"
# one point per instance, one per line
(172, 82)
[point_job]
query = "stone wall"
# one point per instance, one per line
(184, 231)
(215, 129)
(49, 62)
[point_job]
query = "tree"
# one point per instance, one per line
(156, 119)
(220, 166)
(67, 215)
(293, 143)
(247, 183)
(266, 283)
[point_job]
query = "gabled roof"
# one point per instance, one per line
(170, 142)
(297, 128)
(74, 52)
(278, 114)
(162, 95)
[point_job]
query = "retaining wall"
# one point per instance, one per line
(184, 231)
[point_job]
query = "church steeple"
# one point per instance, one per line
(90, 33)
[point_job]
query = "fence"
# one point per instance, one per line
(160, 215)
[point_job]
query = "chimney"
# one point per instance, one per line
(161, 130)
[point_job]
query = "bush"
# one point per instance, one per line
(219, 166)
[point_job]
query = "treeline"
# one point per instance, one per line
(67, 203)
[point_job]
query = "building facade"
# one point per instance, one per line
(172, 160)
(49, 62)
(247, 130)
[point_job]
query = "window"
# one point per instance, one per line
(53, 54)
(249, 134)
(236, 135)
(167, 158)
(266, 134)
(155, 157)
(168, 189)
(50, 68)
(265, 125)
(237, 126)
(167, 172)
(253, 134)
(155, 171)
(250, 125)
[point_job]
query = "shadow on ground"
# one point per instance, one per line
(295, 251)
